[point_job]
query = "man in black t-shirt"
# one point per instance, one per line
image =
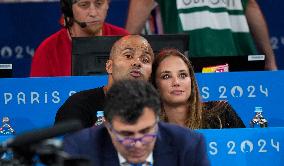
(131, 57)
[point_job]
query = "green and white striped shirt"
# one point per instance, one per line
(215, 27)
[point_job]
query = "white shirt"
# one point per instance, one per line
(123, 162)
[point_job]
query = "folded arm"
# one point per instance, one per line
(260, 33)
(138, 13)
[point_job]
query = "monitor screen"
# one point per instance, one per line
(235, 63)
(89, 54)
(6, 70)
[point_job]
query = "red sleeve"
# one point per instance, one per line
(40, 63)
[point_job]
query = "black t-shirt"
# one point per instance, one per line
(82, 106)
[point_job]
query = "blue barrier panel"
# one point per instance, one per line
(241, 147)
(245, 90)
(32, 102)
(245, 147)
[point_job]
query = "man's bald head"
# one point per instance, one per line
(131, 41)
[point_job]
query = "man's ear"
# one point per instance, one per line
(109, 66)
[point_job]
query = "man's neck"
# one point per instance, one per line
(122, 160)
(76, 31)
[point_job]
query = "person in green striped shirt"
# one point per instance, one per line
(216, 27)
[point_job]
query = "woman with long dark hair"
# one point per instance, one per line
(173, 76)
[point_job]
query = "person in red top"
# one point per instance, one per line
(82, 18)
